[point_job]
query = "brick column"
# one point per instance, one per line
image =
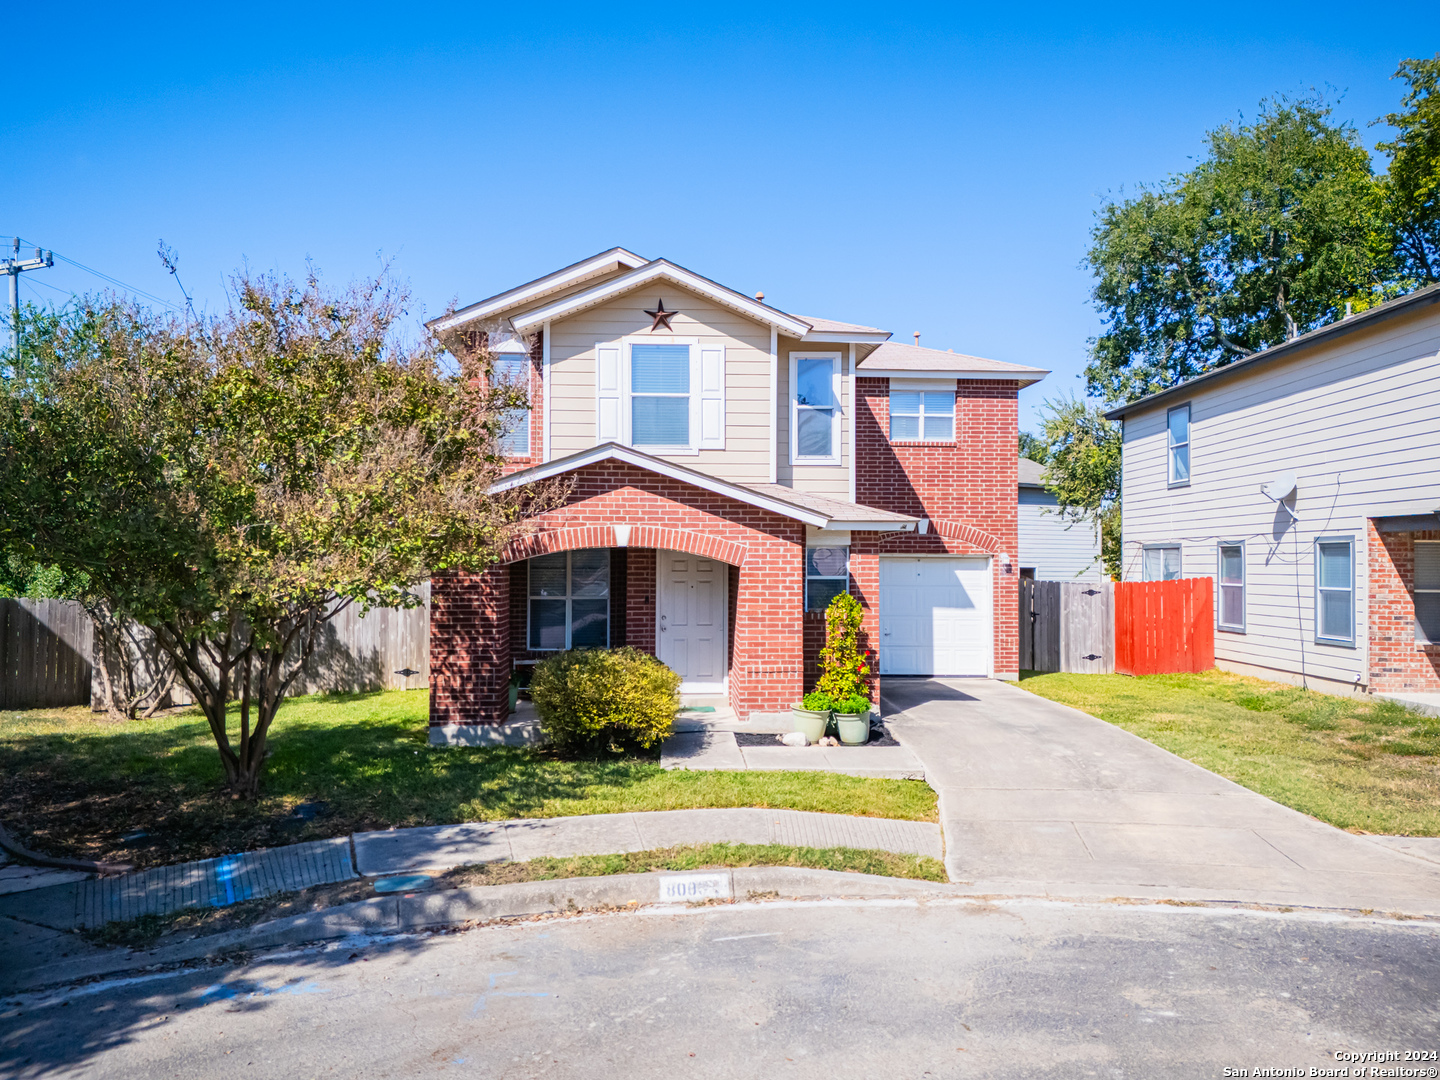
(769, 630)
(469, 649)
(865, 586)
(640, 599)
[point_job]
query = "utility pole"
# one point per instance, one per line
(14, 267)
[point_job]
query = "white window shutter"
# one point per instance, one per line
(712, 397)
(607, 392)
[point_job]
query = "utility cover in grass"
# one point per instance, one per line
(404, 883)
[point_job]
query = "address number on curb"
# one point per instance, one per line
(679, 888)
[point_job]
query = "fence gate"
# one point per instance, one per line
(44, 654)
(1164, 626)
(1067, 626)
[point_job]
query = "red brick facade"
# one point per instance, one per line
(1397, 661)
(966, 487)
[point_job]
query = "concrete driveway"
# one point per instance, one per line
(1040, 798)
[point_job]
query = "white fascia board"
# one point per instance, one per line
(538, 288)
(617, 452)
(1026, 377)
(874, 526)
(840, 338)
(650, 272)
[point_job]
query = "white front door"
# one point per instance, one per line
(691, 631)
(935, 616)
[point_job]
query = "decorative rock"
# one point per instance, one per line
(794, 738)
(829, 740)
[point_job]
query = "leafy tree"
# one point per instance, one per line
(1264, 239)
(232, 482)
(1033, 447)
(1410, 188)
(1082, 470)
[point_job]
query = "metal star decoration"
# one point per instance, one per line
(661, 316)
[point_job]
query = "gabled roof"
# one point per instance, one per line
(1420, 298)
(1032, 473)
(834, 330)
(532, 291)
(817, 510)
(895, 358)
(660, 269)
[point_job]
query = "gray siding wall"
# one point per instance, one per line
(1057, 549)
(1357, 421)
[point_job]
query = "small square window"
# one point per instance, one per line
(513, 369)
(922, 415)
(827, 575)
(1161, 562)
(1232, 587)
(1335, 590)
(570, 600)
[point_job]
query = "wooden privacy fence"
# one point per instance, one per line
(1067, 626)
(44, 654)
(1164, 626)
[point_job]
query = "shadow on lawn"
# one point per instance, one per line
(91, 789)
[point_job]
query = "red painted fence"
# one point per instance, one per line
(1164, 626)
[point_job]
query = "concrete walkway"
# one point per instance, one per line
(441, 847)
(1038, 797)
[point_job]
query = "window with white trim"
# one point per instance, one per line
(513, 369)
(569, 600)
(1177, 434)
(1427, 591)
(815, 407)
(1160, 562)
(922, 416)
(1335, 590)
(1231, 578)
(659, 395)
(827, 575)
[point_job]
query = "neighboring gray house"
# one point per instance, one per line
(1337, 583)
(1051, 548)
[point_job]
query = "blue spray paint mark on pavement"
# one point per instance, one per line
(225, 874)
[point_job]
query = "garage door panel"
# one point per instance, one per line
(935, 617)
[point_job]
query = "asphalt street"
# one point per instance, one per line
(833, 989)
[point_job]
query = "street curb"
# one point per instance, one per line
(476, 904)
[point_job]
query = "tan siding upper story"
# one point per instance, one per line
(1357, 421)
(832, 480)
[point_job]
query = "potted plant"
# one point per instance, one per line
(844, 671)
(812, 716)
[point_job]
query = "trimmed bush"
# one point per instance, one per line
(593, 700)
(844, 672)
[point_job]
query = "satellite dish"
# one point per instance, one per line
(1280, 486)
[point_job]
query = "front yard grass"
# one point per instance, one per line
(73, 783)
(1362, 764)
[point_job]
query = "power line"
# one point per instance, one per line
(115, 281)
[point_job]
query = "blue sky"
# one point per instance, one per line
(916, 168)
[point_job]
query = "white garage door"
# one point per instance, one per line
(935, 616)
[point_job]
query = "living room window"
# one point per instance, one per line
(570, 600)
(1335, 590)
(922, 416)
(1232, 587)
(513, 369)
(827, 575)
(815, 407)
(1161, 562)
(1427, 591)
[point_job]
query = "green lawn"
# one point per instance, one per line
(74, 784)
(1363, 764)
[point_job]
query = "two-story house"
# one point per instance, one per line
(1305, 480)
(731, 467)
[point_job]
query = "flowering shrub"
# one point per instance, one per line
(844, 670)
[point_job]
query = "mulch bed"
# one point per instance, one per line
(879, 736)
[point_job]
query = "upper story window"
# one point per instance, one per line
(513, 369)
(1178, 437)
(1232, 587)
(570, 600)
(922, 416)
(662, 395)
(1335, 590)
(815, 407)
(1161, 562)
(827, 575)
(1427, 591)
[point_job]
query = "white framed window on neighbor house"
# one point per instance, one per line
(827, 575)
(1427, 591)
(1160, 562)
(1335, 590)
(1230, 614)
(1177, 436)
(569, 600)
(663, 395)
(922, 415)
(815, 408)
(513, 369)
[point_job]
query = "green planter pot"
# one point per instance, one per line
(854, 728)
(514, 696)
(810, 721)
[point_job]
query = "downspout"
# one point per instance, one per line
(774, 405)
(854, 418)
(545, 383)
